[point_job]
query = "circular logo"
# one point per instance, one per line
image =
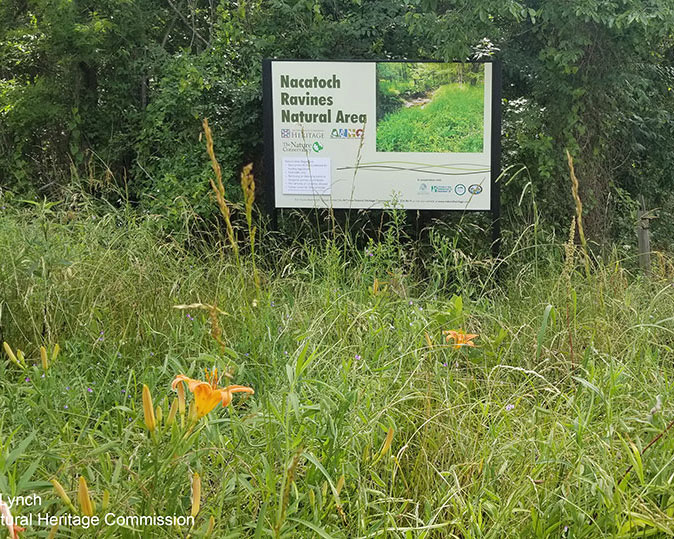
(317, 146)
(423, 188)
(475, 189)
(460, 189)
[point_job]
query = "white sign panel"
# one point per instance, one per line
(416, 135)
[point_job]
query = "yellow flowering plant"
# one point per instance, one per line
(207, 394)
(460, 338)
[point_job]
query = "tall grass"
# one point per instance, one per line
(451, 122)
(364, 421)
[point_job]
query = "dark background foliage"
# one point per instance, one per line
(108, 96)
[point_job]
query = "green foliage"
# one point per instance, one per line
(118, 90)
(398, 82)
(451, 122)
(500, 440)
(113, 92)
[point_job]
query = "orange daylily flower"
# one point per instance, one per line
(207, 394)
(12, 529)
(460, 338)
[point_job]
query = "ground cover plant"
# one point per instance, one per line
(390, 400)
(433, 107)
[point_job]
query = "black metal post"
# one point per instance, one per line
(268, 121)
(496, 83)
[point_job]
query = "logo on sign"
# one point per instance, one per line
(475, 189)
(423, 189)
(441, 188)
(301, 134)
(295, 146)
(347, 133)
(460, 189)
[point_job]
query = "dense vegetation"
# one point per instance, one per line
(401, 82)
(365, 422)
(97, 95)
(372, 415)
(451, 121)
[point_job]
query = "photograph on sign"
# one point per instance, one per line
(366, 135)
(430, 107)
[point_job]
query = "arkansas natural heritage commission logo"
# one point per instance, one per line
(301, 134)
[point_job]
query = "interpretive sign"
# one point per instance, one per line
(362, 134)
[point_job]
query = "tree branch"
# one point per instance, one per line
(184, 19)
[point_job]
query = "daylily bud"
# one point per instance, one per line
(61, 492)
(172, 413)
(340, 484)
(196, 493)
(148, 410)
(10, 354)
(181, 399)
(43, 357)
(86, 505)
(387, 442)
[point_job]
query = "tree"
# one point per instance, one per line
(588, 75)
(116, 89)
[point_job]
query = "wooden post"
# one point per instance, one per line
(643, 236)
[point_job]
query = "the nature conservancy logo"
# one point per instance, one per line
(290, 146)
(339, 133)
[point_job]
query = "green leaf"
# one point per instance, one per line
(547, 313)
(19, 450)
(320, 531)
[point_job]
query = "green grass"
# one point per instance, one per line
(451, 122)
(507, 439)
